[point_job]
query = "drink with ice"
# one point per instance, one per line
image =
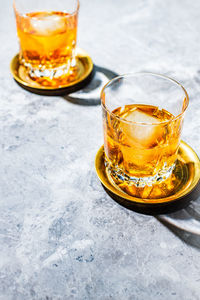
(140, 142)
(47, 44)
(142, 120)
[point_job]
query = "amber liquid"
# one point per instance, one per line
(143, 146)
(47, 40)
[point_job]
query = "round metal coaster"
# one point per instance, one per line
(84, 74)
(188, 163)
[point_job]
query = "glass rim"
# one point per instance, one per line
(144, 73)
(24, 15)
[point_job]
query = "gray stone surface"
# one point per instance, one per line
(61, 235)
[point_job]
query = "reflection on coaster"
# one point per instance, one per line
(186, 176)
(82, 75)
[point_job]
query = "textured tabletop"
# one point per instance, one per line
(61, 235)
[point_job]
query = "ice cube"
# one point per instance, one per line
(142, 135)
(48, 24)
(141, 117)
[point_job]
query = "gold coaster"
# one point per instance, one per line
(189, 163)
(84, 66)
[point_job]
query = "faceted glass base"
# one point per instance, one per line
(160, 185)
(119, 175)
(43, 71)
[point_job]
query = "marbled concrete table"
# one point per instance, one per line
(61, 235)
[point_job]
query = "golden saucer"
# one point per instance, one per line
(84, 75)
(179, 199)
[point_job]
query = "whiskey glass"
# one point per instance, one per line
(47, 32)
(143, 117)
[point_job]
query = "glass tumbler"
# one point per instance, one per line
(142, 120)
(47, 31)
